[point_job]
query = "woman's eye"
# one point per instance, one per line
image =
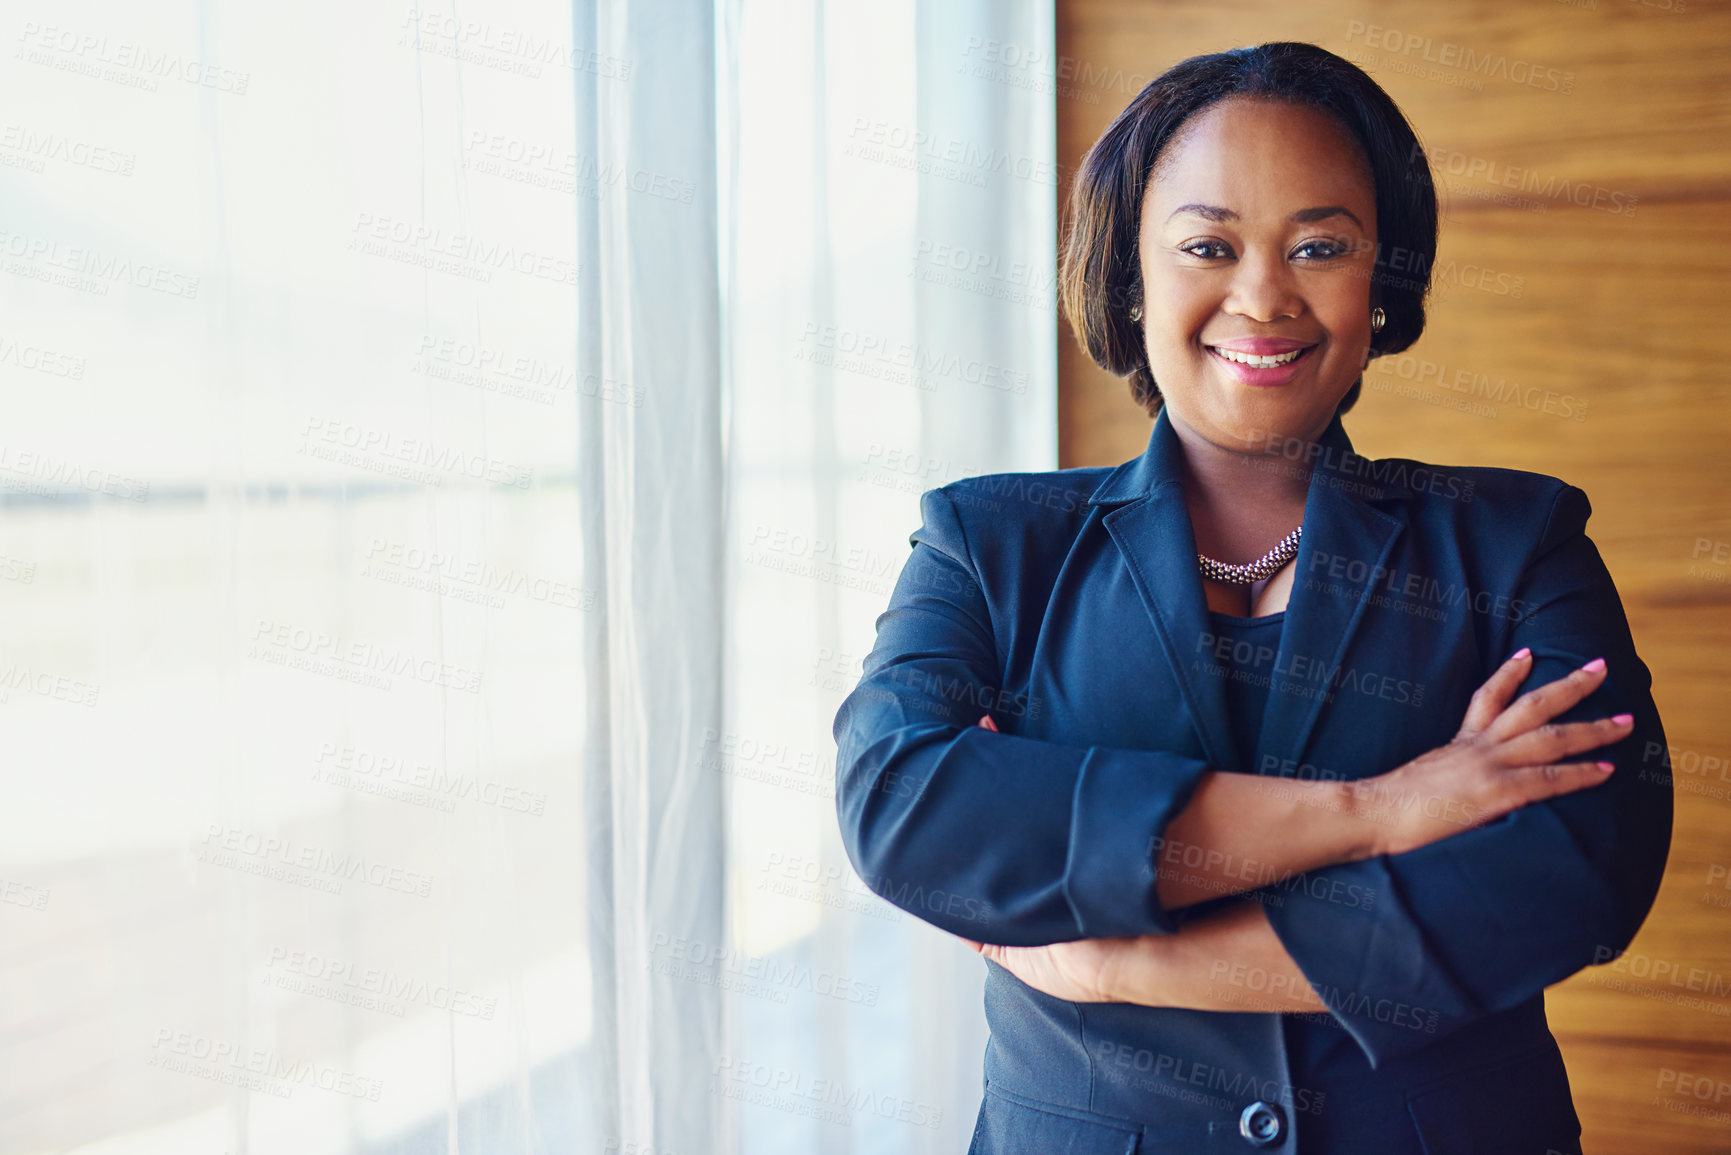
(1319, 250)
(1208, 250)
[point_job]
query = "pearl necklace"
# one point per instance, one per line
(1252, 572)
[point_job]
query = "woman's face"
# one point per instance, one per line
(1258, 238)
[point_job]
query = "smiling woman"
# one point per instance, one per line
(1286, 865)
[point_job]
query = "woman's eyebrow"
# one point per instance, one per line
(1301, 217)
(1207, 212)
(1308, 216)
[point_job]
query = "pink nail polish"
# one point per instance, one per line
(1606, 767)
(1623, 719)
(1523, 652)
(1594, 666)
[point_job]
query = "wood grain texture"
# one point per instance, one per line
(1609, 206)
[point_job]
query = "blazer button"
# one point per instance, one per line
(1262, 1124)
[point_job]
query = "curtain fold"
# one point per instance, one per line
(649, 318)
(891, 327)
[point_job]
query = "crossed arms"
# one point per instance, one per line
(1539, 866)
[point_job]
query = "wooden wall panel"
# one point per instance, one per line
(1622, 313)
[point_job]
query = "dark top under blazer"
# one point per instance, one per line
(1067, 605)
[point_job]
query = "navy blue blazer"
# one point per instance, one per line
(1067, 605)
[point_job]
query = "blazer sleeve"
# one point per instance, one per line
(1484, 920)
(992, 836)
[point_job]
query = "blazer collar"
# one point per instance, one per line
(1147, 518)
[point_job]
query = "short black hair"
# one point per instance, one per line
(1099, 272)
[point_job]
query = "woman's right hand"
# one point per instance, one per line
(1505, 756)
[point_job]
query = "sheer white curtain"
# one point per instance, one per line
(451, 461)
(651, 487)
(890, 194)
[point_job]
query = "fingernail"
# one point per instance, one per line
(1594, 666)
(1623, 719)
(1606, 767)
(1523, 652)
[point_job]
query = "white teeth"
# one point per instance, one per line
(1256, 362)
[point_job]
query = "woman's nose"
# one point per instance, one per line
(1263, 289)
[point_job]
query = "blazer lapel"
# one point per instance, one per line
(1153, 533)
(1155, 536)
(1339, 522)
(1152, 530)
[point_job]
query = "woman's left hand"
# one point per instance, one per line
(1079, 972)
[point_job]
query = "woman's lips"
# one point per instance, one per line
(1267, 364)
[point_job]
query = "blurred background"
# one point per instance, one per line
(453, 459)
